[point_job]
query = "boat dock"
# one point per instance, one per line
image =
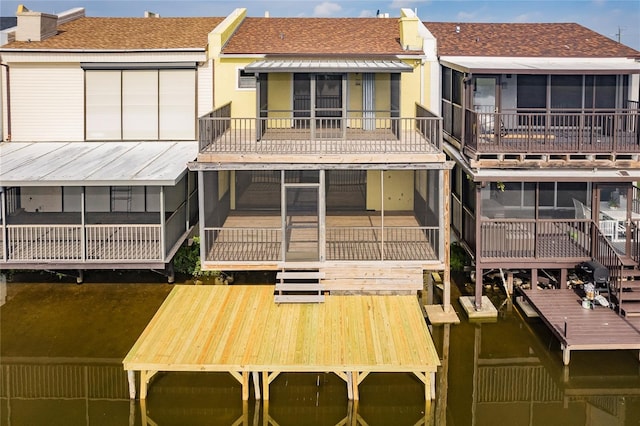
(239, 329)
(583, 329)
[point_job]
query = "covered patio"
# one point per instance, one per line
(95, 205)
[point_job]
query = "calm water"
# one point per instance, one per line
(62, 345)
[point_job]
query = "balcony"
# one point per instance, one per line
(285, 135)
(553, 132)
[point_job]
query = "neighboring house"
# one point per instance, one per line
(542, 122)
(99, 121)
(323, 158)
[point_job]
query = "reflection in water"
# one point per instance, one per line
(507, 372)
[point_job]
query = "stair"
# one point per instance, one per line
(628, 300)
(299, 286)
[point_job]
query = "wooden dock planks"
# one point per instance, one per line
(578, 328)
(239, 329)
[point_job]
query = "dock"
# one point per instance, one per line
(239, 329)
(580, 329)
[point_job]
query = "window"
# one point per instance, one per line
(140, 104)
(246, 80)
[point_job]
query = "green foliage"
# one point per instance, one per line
(459, 258)
(187, 260)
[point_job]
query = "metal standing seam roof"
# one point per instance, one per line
(328, 65)
(151, 163)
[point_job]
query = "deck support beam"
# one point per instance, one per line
(145, 378)
(429, 380)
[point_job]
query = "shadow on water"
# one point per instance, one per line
(62, 346)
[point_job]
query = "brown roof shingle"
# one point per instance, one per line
(126, 34)
(316, 36)
(525, 40)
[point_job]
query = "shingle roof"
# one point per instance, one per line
(126, 34)
(316, 36)
(515, 39)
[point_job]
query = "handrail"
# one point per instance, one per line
(554, 131)
(284, 132)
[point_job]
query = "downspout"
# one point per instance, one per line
(8, 103)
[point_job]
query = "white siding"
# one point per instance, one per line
(47, 103)
(205, 89)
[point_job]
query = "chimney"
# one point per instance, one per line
(35, 26)
(409, 30)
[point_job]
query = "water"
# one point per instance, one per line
(62, 347)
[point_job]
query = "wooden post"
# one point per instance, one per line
(534, 278)
(349, 385)
(256, 383)
(265, 385)
(354, 383)
(446, 244)
(131, 377)
(245, 385)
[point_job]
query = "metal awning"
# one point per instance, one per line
(150, 163)
(538, 65)
(327, 65)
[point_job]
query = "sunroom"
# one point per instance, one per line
(541, 106)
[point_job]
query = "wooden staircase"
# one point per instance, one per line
(299, 286)
(626, 292)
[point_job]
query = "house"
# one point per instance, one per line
(322, 158)
(99, 121)
(542, 123)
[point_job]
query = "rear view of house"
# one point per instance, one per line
(99, 122)
(322, 157)
(542, 122)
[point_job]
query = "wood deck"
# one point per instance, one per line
(240, 330)
(578, 328)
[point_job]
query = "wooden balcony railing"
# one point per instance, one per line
(284, 132)
(553, 131)
(531, 239)
(396, 243)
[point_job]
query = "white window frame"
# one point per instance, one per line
(240, 78)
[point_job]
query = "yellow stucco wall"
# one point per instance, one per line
(243, 101)
(223, 183)
(398, 190)
(279, 93)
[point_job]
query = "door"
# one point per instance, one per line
(484, 103)
(328, 100)
(301, 222)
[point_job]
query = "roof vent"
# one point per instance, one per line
(148, 14)
(35, 26)
(457, 29)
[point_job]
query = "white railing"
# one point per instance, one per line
(124, 242)
(44, 242)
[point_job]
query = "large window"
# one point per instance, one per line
(140, 104)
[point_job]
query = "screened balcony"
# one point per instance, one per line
(553, 132)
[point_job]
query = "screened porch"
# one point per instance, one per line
(265, 218)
